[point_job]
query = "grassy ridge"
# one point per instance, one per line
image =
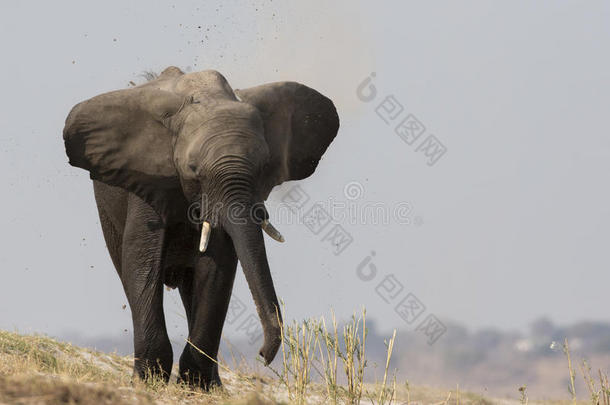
(41, 370)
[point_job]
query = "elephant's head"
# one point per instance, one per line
(182, 138)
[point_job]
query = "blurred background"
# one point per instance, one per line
(465, 199)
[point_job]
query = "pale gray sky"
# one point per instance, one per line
(512, 222)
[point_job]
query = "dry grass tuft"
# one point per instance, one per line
(597, 396)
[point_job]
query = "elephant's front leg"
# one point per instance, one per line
(206, 296)
(142, 252)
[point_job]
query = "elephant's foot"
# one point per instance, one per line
(201, 374)
(152, 371)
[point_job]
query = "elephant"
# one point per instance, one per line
(184, 140)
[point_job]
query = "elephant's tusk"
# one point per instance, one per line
(206, 230)
(271, 231)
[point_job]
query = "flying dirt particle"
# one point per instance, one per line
(131, 83)
(91, 266)
(124, 306)
(73, 62)
(113, 39)
(124, 330)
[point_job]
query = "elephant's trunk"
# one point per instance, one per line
(250, 248)
(231, 181)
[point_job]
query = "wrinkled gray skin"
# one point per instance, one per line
(155, 149)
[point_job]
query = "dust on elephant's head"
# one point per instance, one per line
(181, 138)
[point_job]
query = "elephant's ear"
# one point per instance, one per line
(299, 124)
(121, 139)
